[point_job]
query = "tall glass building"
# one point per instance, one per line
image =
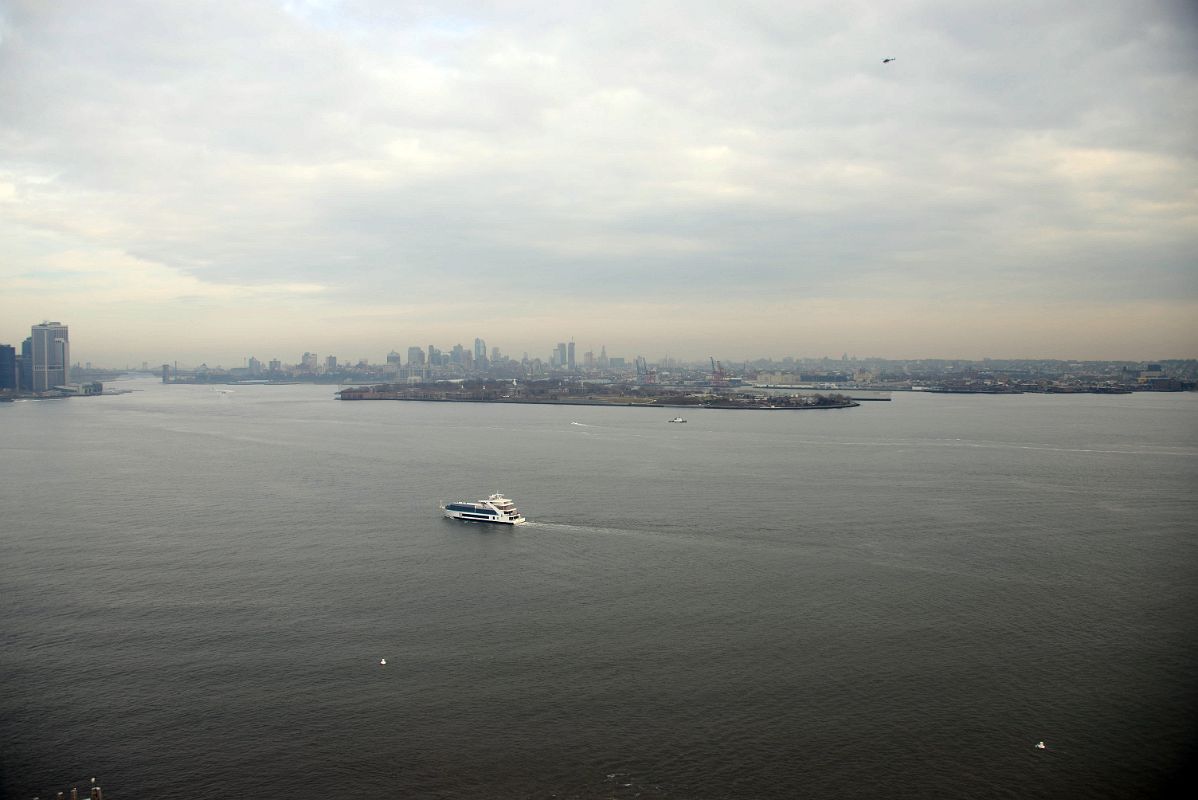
(51, 356)
(9, 377)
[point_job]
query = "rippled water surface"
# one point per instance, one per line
(894, 601)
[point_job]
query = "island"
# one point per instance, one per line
(586, 393)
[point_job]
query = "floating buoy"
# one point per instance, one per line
(382, 662)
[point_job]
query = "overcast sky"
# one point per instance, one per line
(214, 180)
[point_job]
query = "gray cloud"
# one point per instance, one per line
(691, 150)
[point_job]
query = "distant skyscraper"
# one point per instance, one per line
(51, 356)
(9, 377)
(480, 351)
(27, 364)
(415, 357)
(330, 364)
(308, 362)
(561, 354)
(570, 355)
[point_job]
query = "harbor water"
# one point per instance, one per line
(896, 601)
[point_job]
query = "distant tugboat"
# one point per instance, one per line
(496, 508)
(677, 419)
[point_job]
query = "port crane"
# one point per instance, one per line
(645, 375)
(718, 378)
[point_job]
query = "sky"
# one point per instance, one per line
(209, 181)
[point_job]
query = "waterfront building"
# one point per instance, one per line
(10, 379)
(275, 365)
(51, 351)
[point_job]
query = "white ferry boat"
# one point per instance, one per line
(678, 419)
(495, 508)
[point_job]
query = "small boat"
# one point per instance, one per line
(678, 419)
(495, 508)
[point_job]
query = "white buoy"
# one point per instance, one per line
(1040, 746)
(383, 663)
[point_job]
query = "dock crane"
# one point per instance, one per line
(645, 375)
(718, 377)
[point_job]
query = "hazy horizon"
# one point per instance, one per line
(731, 361)
(205, 182)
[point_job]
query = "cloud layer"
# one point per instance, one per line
(661, 177)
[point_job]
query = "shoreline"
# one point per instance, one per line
(719, 406)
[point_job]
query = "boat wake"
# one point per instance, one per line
(580, 529)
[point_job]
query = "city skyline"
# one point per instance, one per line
(209, 183)
(552, 354)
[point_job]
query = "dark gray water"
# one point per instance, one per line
(893, 601)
